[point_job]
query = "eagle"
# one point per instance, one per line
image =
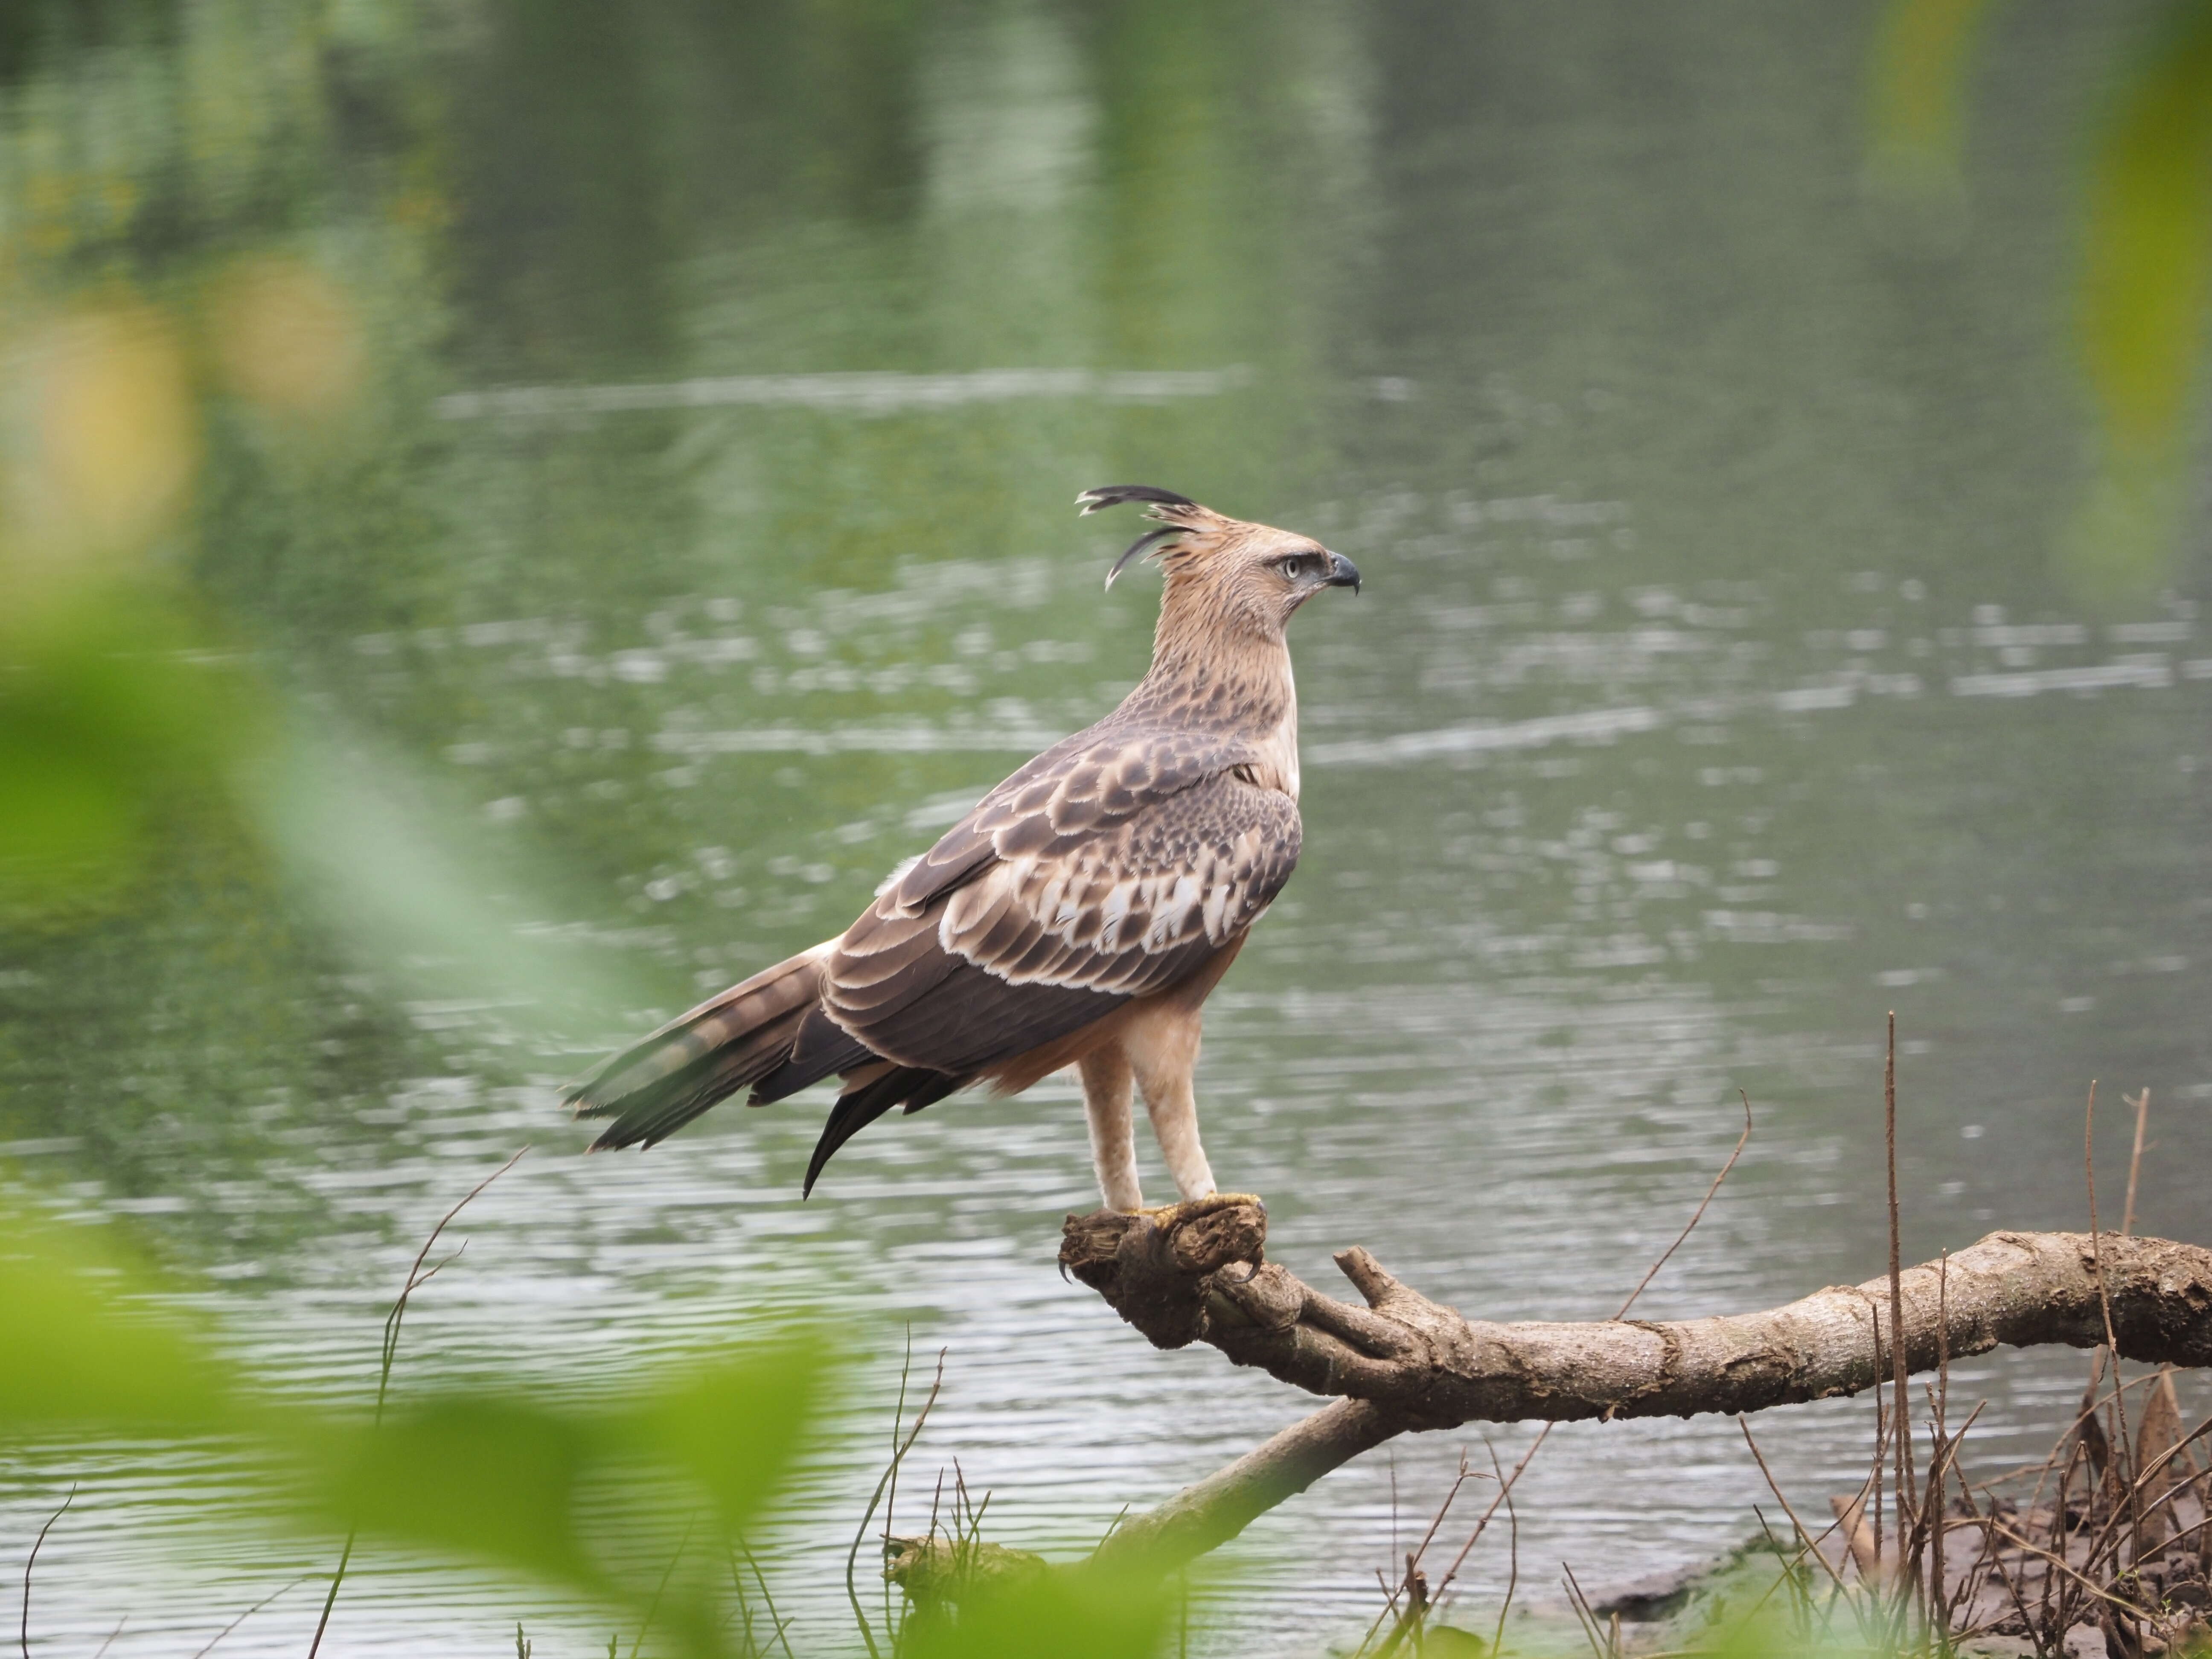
(1079, 915)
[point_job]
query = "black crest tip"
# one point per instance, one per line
(1105, 495)
(1147, 539)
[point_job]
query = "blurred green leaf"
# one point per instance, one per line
(503, 1477)
(417, 880)
(1449, 1641)
(475, 1475)
(110, 714)
(492, 1473)
(2146, 279)
(86, 1353)
(1062, 1615)
(2147, 269)
(732, 1427)
(2149, 241)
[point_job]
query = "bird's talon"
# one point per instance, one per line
(1166, 1217)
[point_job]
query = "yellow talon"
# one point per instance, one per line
(1174, 1215)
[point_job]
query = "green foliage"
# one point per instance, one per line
(494, 1474)
(413, 881)
(1064, 1615)
(2148, 246)
(84, 1352)
(492, 1478)
(1449, 1641)
(581, 1495)
(108, 725)
(2146, 279)
(2146, 271)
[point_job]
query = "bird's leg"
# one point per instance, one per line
(1165, 1055)
(1106, 1089)
(1175, 1121)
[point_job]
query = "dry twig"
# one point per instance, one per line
(32, 1560)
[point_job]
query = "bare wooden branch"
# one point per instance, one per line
(1217, 1508)
(1199, 1274)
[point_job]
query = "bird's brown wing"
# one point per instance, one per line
(1092, 781)
(1100, 872)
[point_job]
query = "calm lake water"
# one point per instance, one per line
(698, 518)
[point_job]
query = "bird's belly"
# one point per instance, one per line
(1138, 1020)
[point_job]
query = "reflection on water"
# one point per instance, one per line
(713, 385)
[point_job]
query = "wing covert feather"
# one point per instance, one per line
(1081, 886)
(1079, 787)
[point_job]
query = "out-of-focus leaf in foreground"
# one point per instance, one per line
(1059, 1615)
(2146, 274)
(501, 1476)
(2147, 277)
(470, 1475)
(495, 1474)
(112, 722)
(729, 1425)
(1921, 51)
(411, 877)
(115, 714)
(86, 1352)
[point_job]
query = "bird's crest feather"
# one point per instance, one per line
(1176, 515)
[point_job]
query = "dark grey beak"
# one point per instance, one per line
(1342, 573)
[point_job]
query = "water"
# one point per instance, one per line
(695, 513)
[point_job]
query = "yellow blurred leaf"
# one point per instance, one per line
(114, 436)
(287, 336)
(1920, 60)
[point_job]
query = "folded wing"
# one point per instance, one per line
(1107, 873)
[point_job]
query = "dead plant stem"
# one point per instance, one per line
(1805, 1537)
(1512, 1558)
(777, 1625)
(2104, 1302)
(247, 1615)
(1696, 1215)
(1900, 1389)
(899, 1450)
(2134, 1161)
(415, 1279)
(23, 1633)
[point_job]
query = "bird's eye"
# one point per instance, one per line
(1293, 568)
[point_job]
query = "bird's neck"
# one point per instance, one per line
(1229, 680)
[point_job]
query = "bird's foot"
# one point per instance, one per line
(1167, 1216)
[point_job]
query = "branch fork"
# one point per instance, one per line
(1199, 1272)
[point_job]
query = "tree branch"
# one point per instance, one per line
(1199, 1274)
(1217, 1508)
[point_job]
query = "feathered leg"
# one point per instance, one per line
(1162, 1051)
(1106, 1100)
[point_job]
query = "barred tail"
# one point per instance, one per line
(659, 1085)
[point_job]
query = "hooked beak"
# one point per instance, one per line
(1342, 573)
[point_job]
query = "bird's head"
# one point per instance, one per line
(1250, 573)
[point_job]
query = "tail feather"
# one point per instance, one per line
(660, 1083)
(751, 1035)
(911, 1086)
